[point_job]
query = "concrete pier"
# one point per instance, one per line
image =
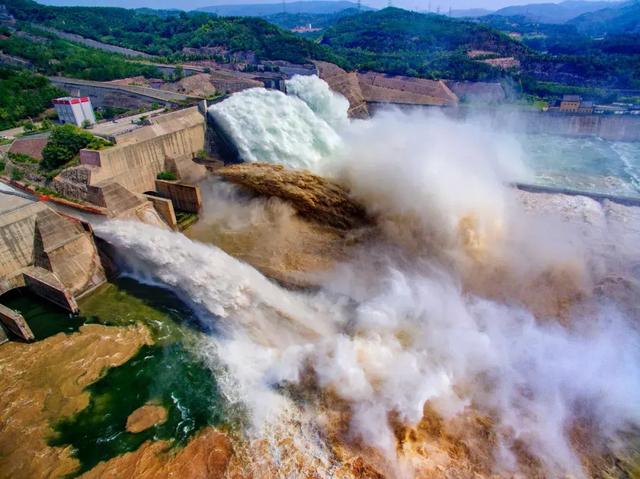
(52, 255)
(15, 323)
(184, 197)
(46, 285)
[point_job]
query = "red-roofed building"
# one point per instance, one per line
(74, 110)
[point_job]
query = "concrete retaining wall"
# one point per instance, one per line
(47, 286)
(18, 230)
(164, 207)
(184, 197)
(38, 246)
(14, 322)
(170, 142)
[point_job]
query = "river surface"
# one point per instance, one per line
(585, 164)
(167, 373)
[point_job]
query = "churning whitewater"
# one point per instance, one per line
(408, 328)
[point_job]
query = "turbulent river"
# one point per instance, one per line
(472, 336)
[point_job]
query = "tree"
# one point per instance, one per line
(65, 142)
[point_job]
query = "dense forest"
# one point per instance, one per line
(168, 35)
(23, 95)
(428, 45)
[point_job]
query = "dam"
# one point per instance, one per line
(51, 255)
(428, 305)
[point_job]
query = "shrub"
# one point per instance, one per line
(16, 174)
(167, 175)
(2, 166)
(65, 142)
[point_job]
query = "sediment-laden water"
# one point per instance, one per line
(168, 373)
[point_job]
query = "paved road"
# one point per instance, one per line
(96, 44)
(153, 93)
(111, 128)
(12, 133)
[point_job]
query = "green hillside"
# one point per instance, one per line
(167, 35)
(403, 42)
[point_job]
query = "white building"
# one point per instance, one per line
(74, 110)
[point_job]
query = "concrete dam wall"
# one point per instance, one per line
(169, 143)
(51, 254)
(608, 127)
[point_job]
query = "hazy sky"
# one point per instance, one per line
(191, 4)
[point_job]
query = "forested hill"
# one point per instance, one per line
(399, 41)
(393, 29)
(168, 35)
(618, 19)
(390, 40)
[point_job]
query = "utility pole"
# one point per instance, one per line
(449, 10)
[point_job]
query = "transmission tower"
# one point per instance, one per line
(359, 5)
(284, 6)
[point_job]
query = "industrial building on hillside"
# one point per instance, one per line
(77, 111)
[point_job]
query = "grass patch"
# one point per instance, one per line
(167, 175)
(22, 158)
(185, 219)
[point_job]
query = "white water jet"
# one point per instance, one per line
(269, 126)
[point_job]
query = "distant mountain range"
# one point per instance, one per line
(619, 19)
(469, 12)
(554, 12)
(266, 9)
